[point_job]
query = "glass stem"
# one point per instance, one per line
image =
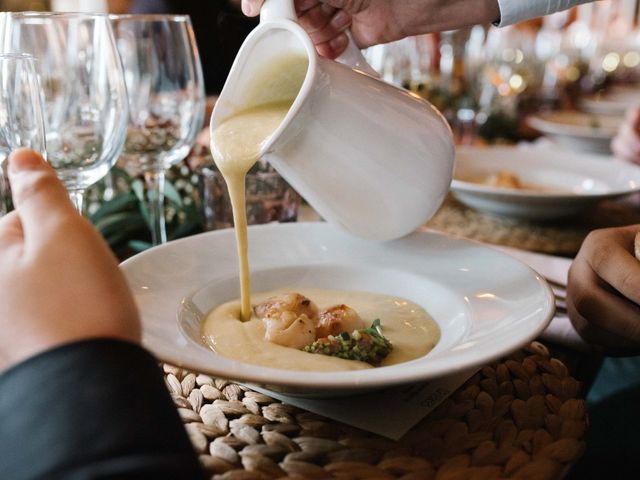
(154, 180)
(109, 187)
(77, 198)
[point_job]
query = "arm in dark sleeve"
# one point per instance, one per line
(93, 409)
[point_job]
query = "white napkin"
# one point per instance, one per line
(560, 330)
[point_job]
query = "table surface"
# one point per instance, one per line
(520, 417)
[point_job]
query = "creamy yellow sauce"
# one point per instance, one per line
(237, 142)
(412, 332)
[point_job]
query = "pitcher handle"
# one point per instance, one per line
(354, 58)
(278, 10)
(284, 10)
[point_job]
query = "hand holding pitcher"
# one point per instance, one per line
(380, 21)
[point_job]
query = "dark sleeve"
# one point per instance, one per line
(95, 409)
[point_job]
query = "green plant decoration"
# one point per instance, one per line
(123, 218)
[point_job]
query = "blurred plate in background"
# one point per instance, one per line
(558, 183)
(613, 102)
(578, 131)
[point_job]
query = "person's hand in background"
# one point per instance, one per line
(626, 143)
(380, 21)
(59, 282)
(603, 292)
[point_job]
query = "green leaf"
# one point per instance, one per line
(116, 238)
(138, 189)
(119, 221)
(186, 228)
(137, 186)
(377, 326)
(118, 172)
(125, 201)
(139, 245)
(172, 194)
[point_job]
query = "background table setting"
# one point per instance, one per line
(533, 109)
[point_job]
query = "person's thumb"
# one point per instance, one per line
(38, 196)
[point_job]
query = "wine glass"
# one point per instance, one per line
(21, 121)
(85, 100)
(166, 99)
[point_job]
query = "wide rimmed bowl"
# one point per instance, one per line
(578, 131)
(486, 303)
(570, 182)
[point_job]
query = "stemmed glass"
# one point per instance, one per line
(21, 121)
(166, 99)
(85, 100)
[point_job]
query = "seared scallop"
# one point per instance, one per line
(287, 302)
(289, 330)
(337, 319)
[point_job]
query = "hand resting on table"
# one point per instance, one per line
(603, 293)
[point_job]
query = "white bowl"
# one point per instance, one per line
(578, 131)
(575, 181)
(482, 314)
(614, 102)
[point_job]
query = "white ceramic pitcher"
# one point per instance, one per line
(368, 156)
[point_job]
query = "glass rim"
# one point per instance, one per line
(36, 14)
(17, 56)
(150, 17)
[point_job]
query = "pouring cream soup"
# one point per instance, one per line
(236, 145)
(232, 329)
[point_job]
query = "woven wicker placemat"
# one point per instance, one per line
(558, 238)
(520, 417)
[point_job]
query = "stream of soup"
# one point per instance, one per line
(237, 142)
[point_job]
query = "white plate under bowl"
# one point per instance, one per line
(576, 181)
(578, 131)
(486, 303)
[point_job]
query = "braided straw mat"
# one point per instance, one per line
(520, 417)
(559, 238)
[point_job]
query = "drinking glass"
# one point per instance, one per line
(508, 70)
(21, 121)
(166, 99)
(85, 100)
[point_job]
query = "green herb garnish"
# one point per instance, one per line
(366, 345)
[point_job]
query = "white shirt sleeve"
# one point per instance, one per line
(514, 11)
